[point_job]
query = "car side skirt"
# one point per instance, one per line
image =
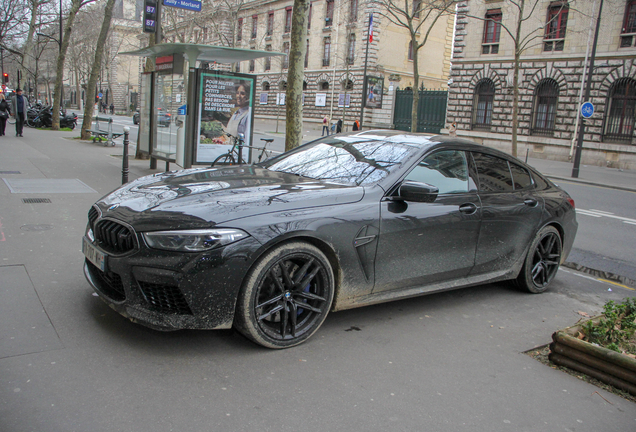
(386, 296)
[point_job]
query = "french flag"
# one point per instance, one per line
(371, 27)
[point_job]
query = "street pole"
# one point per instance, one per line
(363, 99)
(588, 88)
(124, 163)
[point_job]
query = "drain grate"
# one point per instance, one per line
(10, 172)
(36, 200)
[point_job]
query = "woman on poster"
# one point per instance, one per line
(239, 123)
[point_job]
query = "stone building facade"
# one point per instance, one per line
(550, 79)
(334, 65)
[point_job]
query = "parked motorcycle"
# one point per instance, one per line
(43, 117)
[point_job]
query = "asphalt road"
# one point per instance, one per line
(445, 362)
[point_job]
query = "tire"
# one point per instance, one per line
(542, 261)
(286, 296)
(224, 159)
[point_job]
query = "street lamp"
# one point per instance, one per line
(59, 45)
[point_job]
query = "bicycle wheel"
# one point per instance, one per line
(224, 159)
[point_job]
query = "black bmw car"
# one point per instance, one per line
(344, 221)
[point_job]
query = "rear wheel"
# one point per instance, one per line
(224, 159)
(542, 261)
(286, 296)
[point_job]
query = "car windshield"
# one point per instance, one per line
(349, 159)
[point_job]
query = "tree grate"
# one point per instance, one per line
(36, 200)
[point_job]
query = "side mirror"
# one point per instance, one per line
(418, 192)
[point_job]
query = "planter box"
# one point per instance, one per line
(610, 367)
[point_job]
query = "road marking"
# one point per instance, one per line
(617, 284)
(599, 213)
(597, 279)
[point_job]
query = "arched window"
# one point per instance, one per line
(545, 104)
(324, 85)
(482, 104)
(619, 116)
(265, 85)
(304, 85)
(347, 85)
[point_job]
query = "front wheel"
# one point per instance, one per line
(224, 159)
(286, 296)
(542, 261)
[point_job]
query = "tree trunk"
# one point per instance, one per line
(92, 81)
(295, 75)
(416, 84)
(515, 82)
(59, 78)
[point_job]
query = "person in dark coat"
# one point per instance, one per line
(339, 126)
(356, 125)
(5, 112)
(112, 108)
(19, 111)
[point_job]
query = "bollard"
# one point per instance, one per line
(124, 162)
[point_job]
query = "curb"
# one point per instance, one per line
(591, 183)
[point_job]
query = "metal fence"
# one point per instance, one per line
(431, 112)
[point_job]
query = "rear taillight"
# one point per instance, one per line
(571, 201)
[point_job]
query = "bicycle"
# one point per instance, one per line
(228, 158)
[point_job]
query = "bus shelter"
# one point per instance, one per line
(186, 112)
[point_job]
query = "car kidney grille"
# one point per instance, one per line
(110, 283)
(113, 237)
(92, 216)
(165, 298)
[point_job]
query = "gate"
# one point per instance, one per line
(431, 116)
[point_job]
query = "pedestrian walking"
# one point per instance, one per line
(112, 108)
(452, 130)
(339, 126)
(19, 111)
(325, 125)
(356, 125)
(5, 111)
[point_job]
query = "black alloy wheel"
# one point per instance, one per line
(542, 261)
(286, 296)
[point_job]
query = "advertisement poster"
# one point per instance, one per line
(263, 100)
(373, 98)
(344, 101)
(321, 99)
(226, 107)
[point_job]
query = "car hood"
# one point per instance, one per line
(200, 198)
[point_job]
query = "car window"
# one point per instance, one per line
(520, 176)
(344, 160)
(447, 170)
(493, 172)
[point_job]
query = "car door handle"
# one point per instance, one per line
(468, 208)
(530, 202)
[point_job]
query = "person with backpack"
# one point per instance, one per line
(325, 125)
(5, 111)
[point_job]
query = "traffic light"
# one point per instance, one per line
(5, 78)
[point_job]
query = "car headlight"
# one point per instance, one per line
(193, 240)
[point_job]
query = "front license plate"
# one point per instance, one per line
(96, 257)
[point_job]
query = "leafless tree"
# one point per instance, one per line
(76, 5)
(97, 64)
(526, 31)
(418, 17)
(295, 75)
